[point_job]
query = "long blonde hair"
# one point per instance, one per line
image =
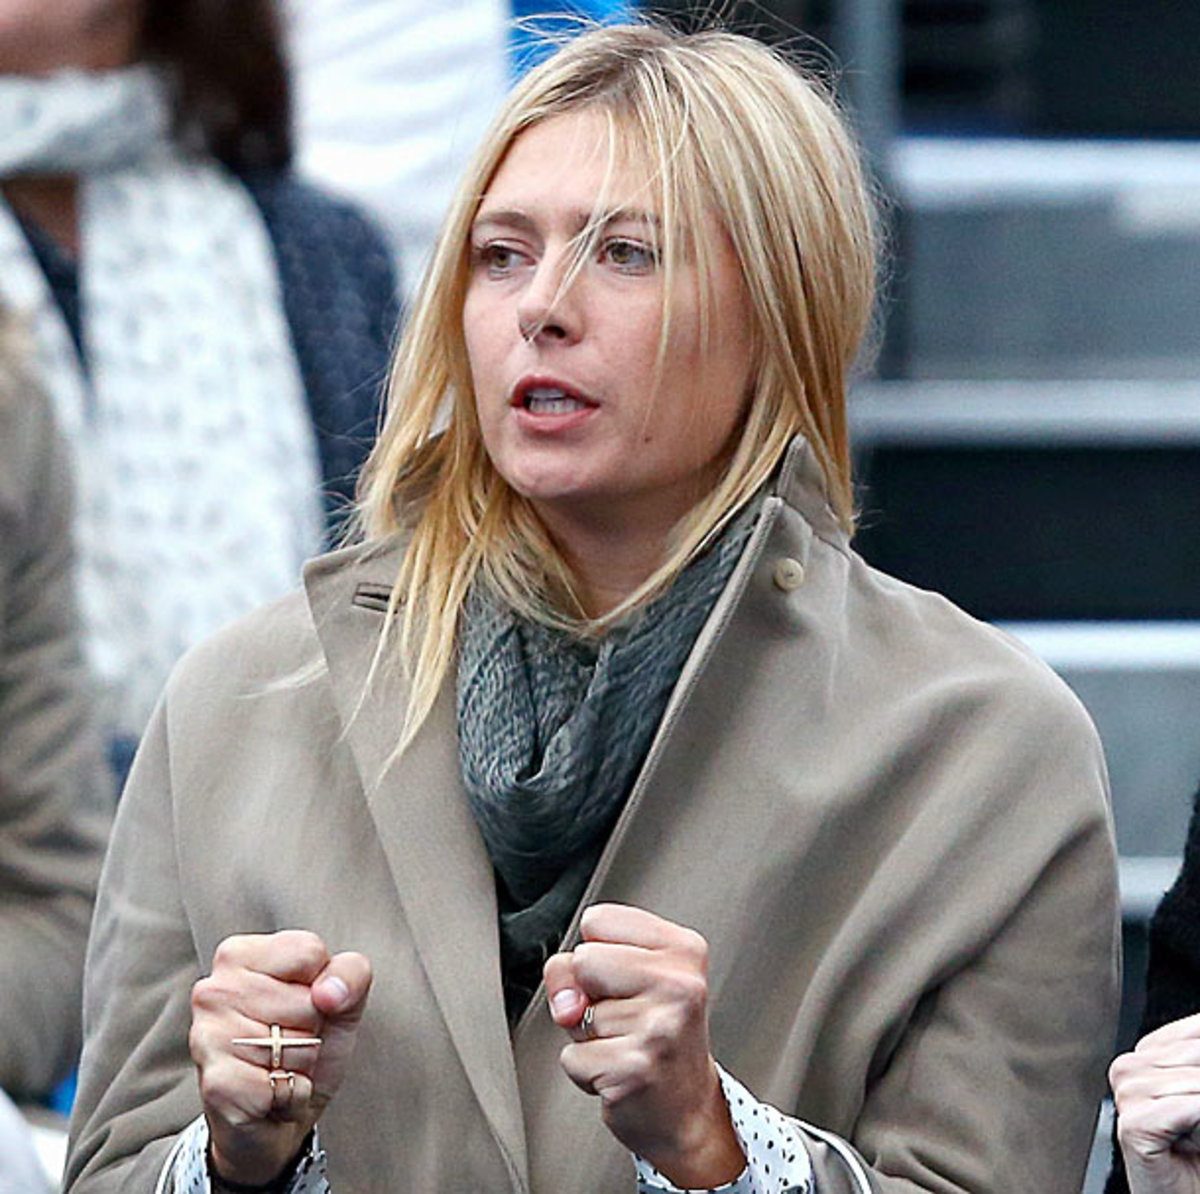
(727, 127)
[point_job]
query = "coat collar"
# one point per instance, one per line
(437, 859)
(801, 484)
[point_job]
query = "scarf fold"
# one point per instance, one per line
(195, 458)
(552, 734)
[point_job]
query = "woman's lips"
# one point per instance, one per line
(544, 405)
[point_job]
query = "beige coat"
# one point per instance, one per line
(889, 821)
(55, 798)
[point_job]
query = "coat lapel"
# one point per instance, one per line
(437, 858)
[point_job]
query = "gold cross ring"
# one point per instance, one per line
(276, 1042)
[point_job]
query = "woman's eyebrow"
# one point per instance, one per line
(629, 215)
(505, 218)
(522, 220)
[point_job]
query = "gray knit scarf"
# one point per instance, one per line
(552, 733)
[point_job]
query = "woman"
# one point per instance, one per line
(606, 685)
(204, 323)
(1156, 1085)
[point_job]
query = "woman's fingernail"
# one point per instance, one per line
(563, 1002)
(336, 988)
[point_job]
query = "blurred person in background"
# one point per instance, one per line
(1156, 1086)
(211, 332)
(392, 97)
(55, 790)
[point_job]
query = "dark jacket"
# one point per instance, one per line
(1173, 978)
(340, 298)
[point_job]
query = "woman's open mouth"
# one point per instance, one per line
(549, 400)
(550, 404)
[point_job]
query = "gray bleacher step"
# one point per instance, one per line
(1049, 258)
(1144, 881)
(1025, 412)
(1141, 684)
(1033, 499)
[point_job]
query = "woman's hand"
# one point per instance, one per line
(644, 1047)
(256, 1124)
(1157, 1091)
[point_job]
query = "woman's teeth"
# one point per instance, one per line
(551, 402)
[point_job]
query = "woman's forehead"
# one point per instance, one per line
(589, 157)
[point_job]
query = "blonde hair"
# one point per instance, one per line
(727, 127)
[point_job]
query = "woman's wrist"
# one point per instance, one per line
(221, 1184)
(707, 1154)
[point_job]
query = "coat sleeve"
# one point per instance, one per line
(137, 1088)
(995, 1081)
(1173, 977)
(55, 795)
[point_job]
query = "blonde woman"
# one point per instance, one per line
(819, 869)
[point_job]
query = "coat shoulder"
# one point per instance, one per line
(278, 645)
(261, 648)
(936, 644)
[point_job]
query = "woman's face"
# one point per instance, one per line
(41, 36)
(565, 384)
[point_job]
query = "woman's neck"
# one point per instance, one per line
(51, 203)
(609, 561)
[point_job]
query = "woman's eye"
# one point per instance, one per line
(498, 259)
(629, 255)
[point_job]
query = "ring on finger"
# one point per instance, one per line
(588, 1023)
(277, 1042)
(280, 1077)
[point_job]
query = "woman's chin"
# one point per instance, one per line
(559, 482)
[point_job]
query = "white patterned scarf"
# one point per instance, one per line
(197, 472)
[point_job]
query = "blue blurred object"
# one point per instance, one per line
(121, 750)
(537, 28)
(62, 1097)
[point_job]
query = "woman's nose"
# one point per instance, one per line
(548, 307)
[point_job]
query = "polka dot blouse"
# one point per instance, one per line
(776, 1158)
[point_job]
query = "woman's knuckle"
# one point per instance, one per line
(660, 1026)
(689, 990)
(306, 946)
(1119, 1070)
(310, 947)
(568, 1057)
(214, 1090)
(197, 1047)
(230, 951)
(585, 956)
(207, 994)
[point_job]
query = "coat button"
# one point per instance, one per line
(789, 574)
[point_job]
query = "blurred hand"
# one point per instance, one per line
(647, 1056)
(1157, 1091)
(286, 978)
